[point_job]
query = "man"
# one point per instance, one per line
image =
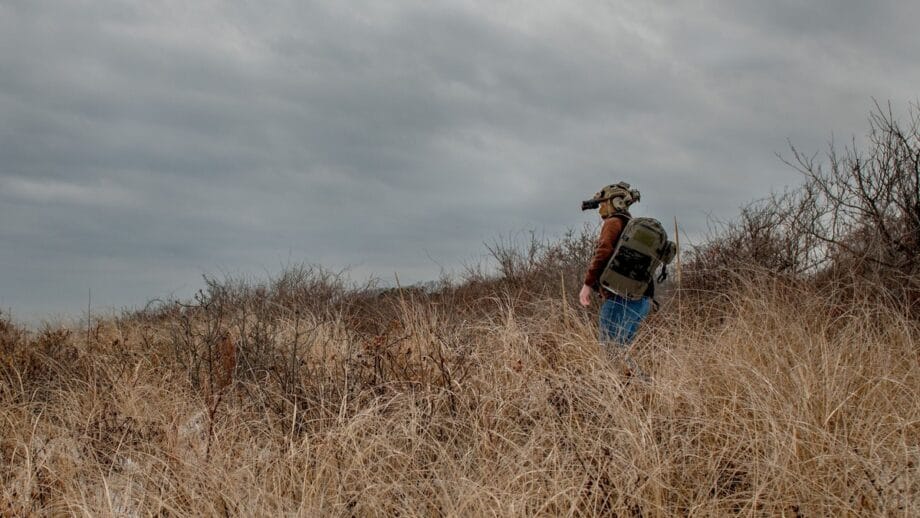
(619, 316)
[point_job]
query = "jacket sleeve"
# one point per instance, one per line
(610, 232)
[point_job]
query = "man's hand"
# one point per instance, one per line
(585, 295)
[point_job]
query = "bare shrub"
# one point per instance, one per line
(767, 236)
(856, 216)
(867, 202)
(537, 266)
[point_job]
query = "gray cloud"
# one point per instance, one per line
(146, 143)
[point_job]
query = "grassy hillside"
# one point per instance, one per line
(303, 397)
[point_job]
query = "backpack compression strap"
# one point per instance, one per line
(664, 273)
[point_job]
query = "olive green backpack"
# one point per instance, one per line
(643, 247)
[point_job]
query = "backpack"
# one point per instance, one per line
(643, 247)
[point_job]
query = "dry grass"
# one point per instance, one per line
(767, 401)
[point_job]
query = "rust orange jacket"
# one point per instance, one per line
(610, 233)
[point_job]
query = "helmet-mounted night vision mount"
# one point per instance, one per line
(620, 195)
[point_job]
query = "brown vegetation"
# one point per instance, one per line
(771, 401)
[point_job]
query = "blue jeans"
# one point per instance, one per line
(620, 318)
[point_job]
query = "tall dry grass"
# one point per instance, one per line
(775, 398)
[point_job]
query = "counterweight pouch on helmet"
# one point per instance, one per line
(643, 247)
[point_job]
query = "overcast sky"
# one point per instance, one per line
(145, 143)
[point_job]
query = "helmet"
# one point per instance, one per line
(615, 199)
